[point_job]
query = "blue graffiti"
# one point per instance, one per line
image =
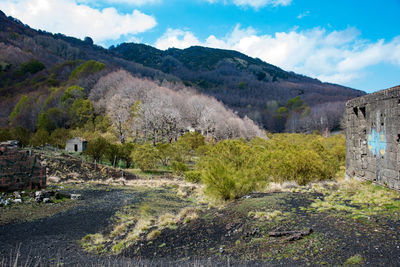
(377, 143)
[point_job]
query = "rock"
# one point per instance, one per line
(18, 200)
(53, 179)
(76, 196)
(46, 200)
(17, 194)
(59, 195)
(39, 196)
(4, 202)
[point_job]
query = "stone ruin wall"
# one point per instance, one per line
(19, 170)
(373, 137)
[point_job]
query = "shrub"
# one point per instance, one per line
(193, 176)
(145, 157)
(179, 167)
(230, 169)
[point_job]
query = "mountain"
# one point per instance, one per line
(33, 61)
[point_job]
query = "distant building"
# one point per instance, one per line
(76, 145)
(373, 137)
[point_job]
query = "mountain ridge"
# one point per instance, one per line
(248, 85)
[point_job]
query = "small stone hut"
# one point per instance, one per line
(76, 145)
(19, 169)
(373, 137)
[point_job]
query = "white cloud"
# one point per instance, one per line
(78, 20)
(338, 56)
(254, 3)
(304, 14)
(176, 38)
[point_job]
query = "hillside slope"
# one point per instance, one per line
(249, 86)
(274, 98)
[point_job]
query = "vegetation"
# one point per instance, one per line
(233, 168)
(87, 68)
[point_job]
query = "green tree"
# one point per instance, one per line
(40, 138)
(96, 148)
(59, 137)
(126, 151)
(81, 111)
(20, 134)
(145, 157)
(5, 135)
(73, 92)
(113, 153)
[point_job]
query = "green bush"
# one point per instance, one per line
(179, 167)
(59, 137)
(145, 157)
(32, 67)
(192, 176)
(40, 138)
(231, 169)
(96, 148)
(87, 68)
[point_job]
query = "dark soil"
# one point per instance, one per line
(222, 237)
(55, 239)
(231, 234)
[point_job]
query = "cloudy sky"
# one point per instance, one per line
(350, 42)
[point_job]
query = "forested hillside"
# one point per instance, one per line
(37, 70)
(274, 98)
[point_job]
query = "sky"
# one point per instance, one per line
(355, 43)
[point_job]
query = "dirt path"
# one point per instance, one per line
(54, 239)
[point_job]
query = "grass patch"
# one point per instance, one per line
(358, 200)
(354, 261)
(93, 243)
(159, 209)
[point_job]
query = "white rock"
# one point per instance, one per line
(53, 179)
(76, 196)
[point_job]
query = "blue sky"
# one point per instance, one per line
(354, 43)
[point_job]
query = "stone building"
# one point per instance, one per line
(373, 137)
(76, 145)
(19, 170)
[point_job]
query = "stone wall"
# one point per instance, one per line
(373, 137)
(67, 167)
(19, 170)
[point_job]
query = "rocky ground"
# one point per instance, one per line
(265, 229)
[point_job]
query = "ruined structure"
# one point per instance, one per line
(76, 145)
(373, 137)
(19, 170)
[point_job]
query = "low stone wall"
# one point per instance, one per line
(66, 167)
(19, 170)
